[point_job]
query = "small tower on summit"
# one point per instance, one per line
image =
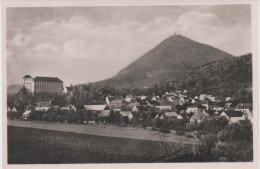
(28, 82)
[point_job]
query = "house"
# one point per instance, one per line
(185, 91)
(171, 114)
(142, 97)
(170, 99)
(244, 107)
(164, 106)
(233, 116)
(213, 113)
(116, 104)
(104, 113)
(179, 117)
(14, 110)
(228, 105)
(228, 99)
(193, 101)
(178, 92)
(26, 114)
(109, 99)
(202, 97)
(154, 98)
(130, 106)
(69, 107)
(142, 108)
(135, 109)
(126, 116)
(181, 100)
(196, 97)
(96, 108)
(199, 117)
(43, 106)
(217, 108)
(191, 109)
(8, 109)
(103, 116)
(213, 99)
(204, 103)
(201, 108)
(170, 93)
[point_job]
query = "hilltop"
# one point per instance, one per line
(169, 60)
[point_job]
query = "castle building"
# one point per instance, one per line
(43, 84)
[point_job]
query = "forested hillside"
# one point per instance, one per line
(227, 77)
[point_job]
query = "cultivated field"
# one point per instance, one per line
(105, 130)
(37, 146)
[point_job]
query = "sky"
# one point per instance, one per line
(88, 44)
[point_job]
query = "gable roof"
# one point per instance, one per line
(201, 107)
(104, 113)
(164, 103)
(95, 107)
(179, 117)
(115, 106)
(232, 113)
(44, 104)
(171, 114)
(125, 113)
(130, 106)
(211, 112)
(27, 112)
(199, 116)
(47, 79)
(116, 101)
(228, 104)
(27, 76)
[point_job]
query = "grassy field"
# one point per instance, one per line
(37, 146)
(105, 130)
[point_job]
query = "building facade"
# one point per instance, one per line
(43, 84)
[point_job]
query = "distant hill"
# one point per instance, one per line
(13, 89)
(226, 77)
(169, 60)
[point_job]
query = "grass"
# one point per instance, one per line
(38, 146)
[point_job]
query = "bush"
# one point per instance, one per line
(10, 115)
(180, 133)
(164, 129)
(189, 136)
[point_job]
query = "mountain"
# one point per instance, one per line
(169, 60)
(226, 77)
(13, 89)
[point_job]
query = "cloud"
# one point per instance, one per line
(207, 28)
(46, 48)
(96, 50)
(198, 18)
(20, 41)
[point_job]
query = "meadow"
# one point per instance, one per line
(38, 146)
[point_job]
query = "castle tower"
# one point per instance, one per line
(28, 83)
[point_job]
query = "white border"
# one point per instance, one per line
(64, 3)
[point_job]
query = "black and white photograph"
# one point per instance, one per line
(124, 84)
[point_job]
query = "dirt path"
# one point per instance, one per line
(104, 130)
